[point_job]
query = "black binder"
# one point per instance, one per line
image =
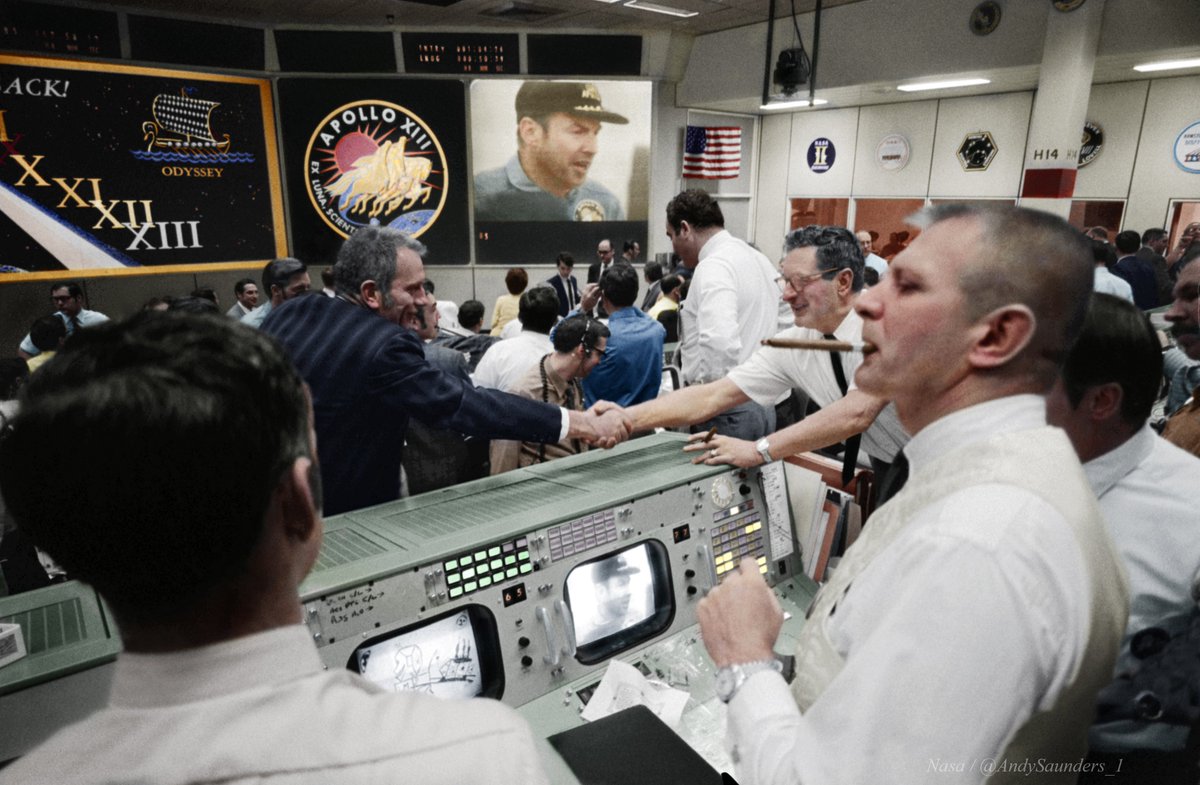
(632, 745)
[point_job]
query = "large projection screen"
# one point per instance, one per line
(570, 183)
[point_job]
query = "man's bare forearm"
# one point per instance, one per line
(833, 423)
(687, 406)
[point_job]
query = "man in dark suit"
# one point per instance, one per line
(368, 375)
(1137, 271)
(565, 284)
(604, 260)
(596, 270)
(1154, 246)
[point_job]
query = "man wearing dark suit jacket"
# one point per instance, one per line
(596, 270)
(1154, 246)
(367, 375)
(565, 284)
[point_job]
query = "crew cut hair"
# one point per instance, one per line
(1025, 257)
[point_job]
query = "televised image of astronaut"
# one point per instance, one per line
(558, 128)
(615, 608)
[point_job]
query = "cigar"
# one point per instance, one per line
(823, 346)
(711, 433)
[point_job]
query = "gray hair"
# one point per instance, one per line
(370, 255)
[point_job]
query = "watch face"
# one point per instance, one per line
(725, 684)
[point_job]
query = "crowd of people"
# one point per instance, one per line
(1038, 549)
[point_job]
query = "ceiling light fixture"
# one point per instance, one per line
(912, 88)
(793, 104)
(1168, 65)
(660, 9)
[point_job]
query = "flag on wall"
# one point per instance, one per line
(712, 153)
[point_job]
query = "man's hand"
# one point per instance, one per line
(741, 618)
(614, 427)
(591, 296)
(604, 425)
(722, 450)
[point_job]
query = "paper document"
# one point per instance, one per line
(779, 511)
(624, 685)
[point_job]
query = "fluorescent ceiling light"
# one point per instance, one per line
(660, 9)
(609, 2)
(1168, 65)
(795, 104)
(912, 88)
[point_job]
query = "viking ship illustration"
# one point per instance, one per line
(184, 125)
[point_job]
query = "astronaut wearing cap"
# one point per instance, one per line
(557, 128)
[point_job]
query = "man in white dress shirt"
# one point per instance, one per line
(968, 630)
(1104, 281)
(508, 360)
(732, 305)
(821, 278)
(871, 259)
(1147, 489)
(200, 561)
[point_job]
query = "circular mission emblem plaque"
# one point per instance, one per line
(375, 162)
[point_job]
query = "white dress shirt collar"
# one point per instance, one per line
(974, 424)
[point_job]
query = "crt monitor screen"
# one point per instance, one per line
(620, 600)
(453, 656)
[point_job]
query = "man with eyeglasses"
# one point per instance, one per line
(598, 268)
(731, 307)
(580, 343)
(820, 280)
(67, 297)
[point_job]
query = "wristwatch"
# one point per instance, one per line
(764, 449)
(731, 678)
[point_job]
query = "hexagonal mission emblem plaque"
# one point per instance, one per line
(976, 152)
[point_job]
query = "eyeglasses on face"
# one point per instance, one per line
(798, 282)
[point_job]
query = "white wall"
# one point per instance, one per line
(1141, 121)
(915, 122)
(1117, 109)
(1172, 105)
(1006, 118)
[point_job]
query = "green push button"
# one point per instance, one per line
(470, 586)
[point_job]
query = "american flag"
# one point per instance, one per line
(712, 153)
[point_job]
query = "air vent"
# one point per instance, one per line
(521, 12)
(50, 627)
(343, 546)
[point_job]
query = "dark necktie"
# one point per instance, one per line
(850, 459)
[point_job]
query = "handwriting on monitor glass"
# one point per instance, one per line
(441, 658)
